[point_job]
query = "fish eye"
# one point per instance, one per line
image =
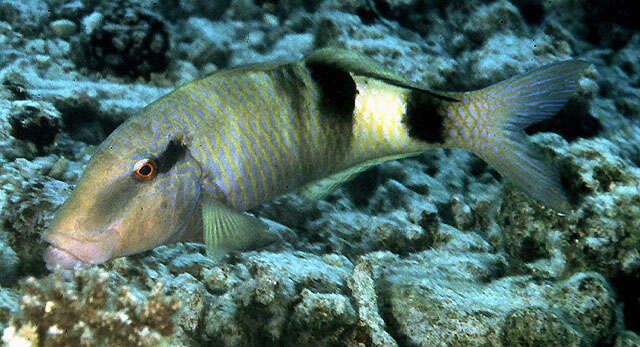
(144, 169)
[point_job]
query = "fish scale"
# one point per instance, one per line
(242, 149)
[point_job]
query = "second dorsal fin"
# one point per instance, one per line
(362, 65)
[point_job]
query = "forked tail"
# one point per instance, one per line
(501, 112)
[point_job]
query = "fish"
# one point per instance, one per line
(189, 165)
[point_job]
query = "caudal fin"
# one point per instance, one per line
(506, 109)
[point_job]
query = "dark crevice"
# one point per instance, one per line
(478, 167)
(627, 288)
(531, 10)
(572, 122)
(362, 188)
(35, 126)
(445, 212)
(81, 121)
(409, 15)
(531, 250)
(574, 188)
(367, 15)
(17, 89)
(611, 23)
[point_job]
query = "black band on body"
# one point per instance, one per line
(425, 117)
(337, 90)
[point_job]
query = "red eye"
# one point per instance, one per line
(145, 169)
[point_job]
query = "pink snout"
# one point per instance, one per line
(54, 257)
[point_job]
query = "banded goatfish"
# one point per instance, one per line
(186, 166)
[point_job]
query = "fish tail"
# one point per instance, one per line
(500, 113)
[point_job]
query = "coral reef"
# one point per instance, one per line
(431, 250)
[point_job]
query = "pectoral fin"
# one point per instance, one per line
(226, 229)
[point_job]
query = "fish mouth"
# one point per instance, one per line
(68, 252)
(56, 257)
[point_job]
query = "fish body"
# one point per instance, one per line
(187, 165)
(271, 133)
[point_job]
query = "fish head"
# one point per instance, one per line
(139, 190)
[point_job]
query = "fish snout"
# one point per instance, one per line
(55, 257)
(67, 252)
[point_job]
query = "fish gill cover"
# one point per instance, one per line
(431, 250)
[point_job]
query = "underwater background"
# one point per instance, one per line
(433, 250)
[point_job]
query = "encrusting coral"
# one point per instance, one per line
(91, 309)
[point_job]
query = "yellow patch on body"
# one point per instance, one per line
(379, 128)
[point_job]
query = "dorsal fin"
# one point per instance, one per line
(362, 65)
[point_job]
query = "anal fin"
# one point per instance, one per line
(319, 189)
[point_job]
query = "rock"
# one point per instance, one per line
(125, 39)
(35, 122)
(25, 16)
(363, 291)
(70, 9)
(601, 234)
(588, 300)
(263, 295)
(499, 16)
(9, 264)
(436, 308)
(326, 315)
(59, 169)
(179, 10)
(211, 42)
(92, 22)
(627, 339)
(533, 326)
(28, 199)
(193, 299)
(63, 27)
